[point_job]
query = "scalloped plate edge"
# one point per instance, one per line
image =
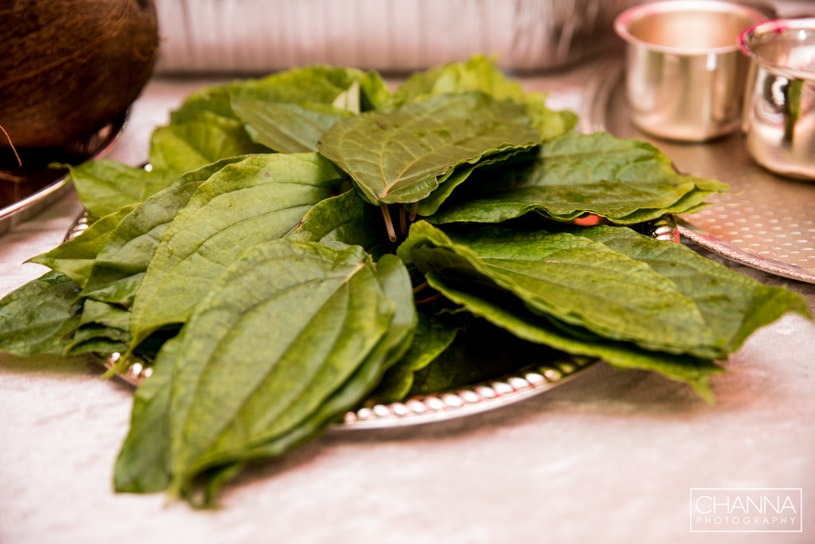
(530, 381)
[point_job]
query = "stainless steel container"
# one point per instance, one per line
(685, 73)
(251, 36)
(779, 113)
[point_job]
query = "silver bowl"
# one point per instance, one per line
(685, 74)
(251, 36)
(779, 113)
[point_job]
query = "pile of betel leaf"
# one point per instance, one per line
(309, 241)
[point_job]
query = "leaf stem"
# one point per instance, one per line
(414, 211)
(420, 286)
(424, 286)
(427, 300)
(386, 214)
(403, 221)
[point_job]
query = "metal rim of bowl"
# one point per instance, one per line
(623, 21)
(774, 28)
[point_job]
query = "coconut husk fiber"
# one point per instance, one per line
(68, 68)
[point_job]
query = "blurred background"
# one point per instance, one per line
(387, 35)
(393, 36)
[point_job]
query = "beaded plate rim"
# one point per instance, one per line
(421, 409)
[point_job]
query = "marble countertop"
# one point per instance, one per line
(610, 456)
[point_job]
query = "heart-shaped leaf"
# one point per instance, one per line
(261, 197)
(402, 155)
(624, 180)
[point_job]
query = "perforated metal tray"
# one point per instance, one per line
(764, 221)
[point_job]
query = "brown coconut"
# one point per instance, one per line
(68, 68)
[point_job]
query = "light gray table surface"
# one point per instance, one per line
(608, 457)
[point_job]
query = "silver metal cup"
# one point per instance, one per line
(779, 107)
(685, 74)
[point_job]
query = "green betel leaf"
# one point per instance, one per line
(286, 112)
(259, 198)
(102, 330)
(431, 204)
(480, 352)
(482, 74)
(289, 111)
(181, 147)
(119, 266)
(106, 314)
(431, 338)
(346, 88)
(345, 218)
(143, 465)
(478, 73)
(401, 156)
(104, 186)
(526, 325)
(75, 258)
(581, 284)
(733, 305)
(39, 316)
(287, 128)
(395, 283)
(281, 331)
(626, 181)
(394, 279)
(203, 103)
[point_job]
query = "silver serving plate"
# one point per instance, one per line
(529, 381)
(28, 191)
(765, 221)
(481, 397)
